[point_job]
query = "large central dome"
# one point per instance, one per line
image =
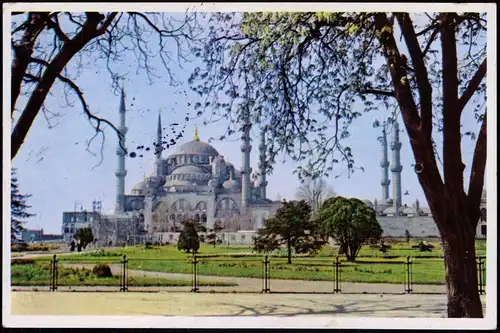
(196, 147)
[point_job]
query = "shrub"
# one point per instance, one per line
(102, 270)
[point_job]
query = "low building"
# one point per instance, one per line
(35, 235)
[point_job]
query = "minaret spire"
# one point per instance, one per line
(121, 152)
(246, 148)
(384, 164)
(159, 146)
(396, 167)
(262, 164)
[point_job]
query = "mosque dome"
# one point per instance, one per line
(196, 148)
(390, 211)
(189, 169)
(410, 210)
(230, 183)
(140, 186)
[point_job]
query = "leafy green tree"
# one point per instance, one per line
(18, 209)
(188, 239)
(293, 227)
(306, 76)
(212, 236)
(349, 221)
(84, 237)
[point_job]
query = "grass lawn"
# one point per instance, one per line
(239, 261)
(39, 274)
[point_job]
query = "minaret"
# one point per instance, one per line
(396, 167)
(121, 152)
(384, 164)
(246, 147)
(158, 146)
(262, 164)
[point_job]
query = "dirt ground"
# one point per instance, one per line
(220, 304)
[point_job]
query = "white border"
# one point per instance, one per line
(488, 322)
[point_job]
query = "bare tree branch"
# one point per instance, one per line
(472, 86)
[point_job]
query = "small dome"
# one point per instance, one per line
(410, 210)
(230, 183)
(140, 186)
(368, 202)
(390, 210)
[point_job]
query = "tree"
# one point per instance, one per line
(407, 236)
(55, 47)
(84, 237)
(304, 76)
(18, 208)
(189, 239)
(315, 192)
(293, 227)
(351, 222)
(212, 236)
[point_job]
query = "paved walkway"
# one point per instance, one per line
(191, 304)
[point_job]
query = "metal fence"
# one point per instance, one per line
(213, 274)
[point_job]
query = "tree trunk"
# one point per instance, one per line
(289, 246)
(461, 271)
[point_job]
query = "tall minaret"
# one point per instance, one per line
(246, 171)
(262, 164)
(158, 146)
(120, 152)
(384, 164)
(396, 167)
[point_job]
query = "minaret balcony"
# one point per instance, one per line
(384, 164)
(386, 182)
(120, 151)
(395, 145)
(121, 173)
(397, 168)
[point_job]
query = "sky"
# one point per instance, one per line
(54, 166)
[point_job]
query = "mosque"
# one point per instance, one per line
(196, 182)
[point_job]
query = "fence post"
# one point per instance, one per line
(265, 276)
(195, 275)
(408, 276)
(337, 275)
(481, 275)
(53, 263)
(123, 275)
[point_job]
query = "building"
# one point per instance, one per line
(72, 221)
(35, 235)
(194, 182)
(394, 216)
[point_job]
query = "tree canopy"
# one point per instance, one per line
(306, 76)
(18, 208)
(188, 239)
(291, 227)
(84, 237)
(351, 222)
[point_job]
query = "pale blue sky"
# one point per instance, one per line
(55, 168)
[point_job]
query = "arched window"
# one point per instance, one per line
(203, 218)
(197, 218)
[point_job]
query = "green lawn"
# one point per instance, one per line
(370, 266)
(39, 274)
